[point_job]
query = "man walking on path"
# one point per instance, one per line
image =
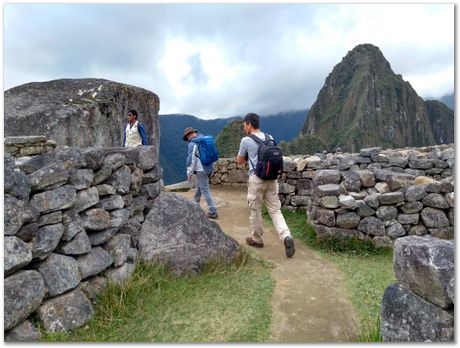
(260, 190)
(135, 134)
(202, 172)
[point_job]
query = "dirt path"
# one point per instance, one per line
(309, 302)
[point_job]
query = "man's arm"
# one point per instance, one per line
(242, 153)
(124, 137)
(143, 134)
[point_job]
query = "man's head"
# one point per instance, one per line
(251, 122)
(132, 116)
(189, 133)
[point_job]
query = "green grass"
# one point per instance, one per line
(226, 303)
(368, 271)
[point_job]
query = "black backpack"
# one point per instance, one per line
(270, 158)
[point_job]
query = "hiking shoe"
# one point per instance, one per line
(252, 242)
(212, 215)
(289, 246)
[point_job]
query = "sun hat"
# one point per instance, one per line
(187, 131)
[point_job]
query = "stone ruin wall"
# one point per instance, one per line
(401, 199)
(72, 218)
(374, 195)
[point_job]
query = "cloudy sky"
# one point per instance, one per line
(220, 60)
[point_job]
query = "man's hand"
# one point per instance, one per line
(240, 160)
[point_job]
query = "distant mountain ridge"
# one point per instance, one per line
(282, 126)
(363, 103)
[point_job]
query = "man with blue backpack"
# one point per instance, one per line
(265, 166)
(201, 154)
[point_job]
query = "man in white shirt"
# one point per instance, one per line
(135, 134)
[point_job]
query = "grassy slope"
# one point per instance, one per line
(224, 304)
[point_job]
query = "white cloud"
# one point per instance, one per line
(216, 60)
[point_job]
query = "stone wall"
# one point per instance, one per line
(420, 308)
(28, 145)
(377, 195)
(76, 219)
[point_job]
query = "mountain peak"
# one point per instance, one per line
(363, 103)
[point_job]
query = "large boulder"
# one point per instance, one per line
(66, 312)
(406, 317)
(60, 273)
(176, 232)
(23, 293)
(17, 254)
(79, 112)
(425, 265)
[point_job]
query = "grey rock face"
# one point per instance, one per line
(81, 178)
(79, 112)
(98, 238)
(434, 218)
(79, 245)
(16, 254)
(304, 187)
(93, 286)
(86, 199)
(300, 200)
(391, 198)
(363, 209)
(111, 202)
(145, 157)
(372, 225)
(17, 213)
(372, 200)
(328, 190)
(330, 202)
(105, 190)
(27, 232)
(24, 332)
(152, 176)
(406, 317)
(367, 178)
(153, 190)
(96, 219)
(395, 230)
(425, 265)
(46, 240)
(118, 248)
(348, 220)
(102, 174)
(395, 180)
(407, 219)
(66, 312)
(411, 207)
(382, 242)
(120, 274)
(114, 161)
(94, 262)
(58, 199)
(121, 179)
(386, 212)
(73, 224)
(338, 233)
(119, 217)
(50, 219)
(168, 237)
(23, 293)
(415, 193)
(22, 187)
(60, 273)
(133, 228)
(347, 201)
(435, 200)
(327, 176)
(442, 232)
(71, 156)
(136, 179)
(325, 217)
(49, 177)
(418, 230)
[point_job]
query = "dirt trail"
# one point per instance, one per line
(309, 301)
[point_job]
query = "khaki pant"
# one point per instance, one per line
(260, 191)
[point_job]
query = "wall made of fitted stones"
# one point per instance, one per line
(72, 218)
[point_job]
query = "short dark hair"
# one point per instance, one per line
(253, 119)
(133, 112)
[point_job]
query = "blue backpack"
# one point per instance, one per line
(207, 148)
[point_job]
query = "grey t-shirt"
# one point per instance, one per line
(249, 147)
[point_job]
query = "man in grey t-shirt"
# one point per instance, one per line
(260, 191)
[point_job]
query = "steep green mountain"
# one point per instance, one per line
(442, 121)
(303, 144)
(363, 103)
(228, 139)
(282, 126)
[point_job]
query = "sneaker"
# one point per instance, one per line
(212, 215)
(252, 242)
(289, 246)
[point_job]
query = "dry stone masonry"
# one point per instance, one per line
(374, 195)
(77, 218)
